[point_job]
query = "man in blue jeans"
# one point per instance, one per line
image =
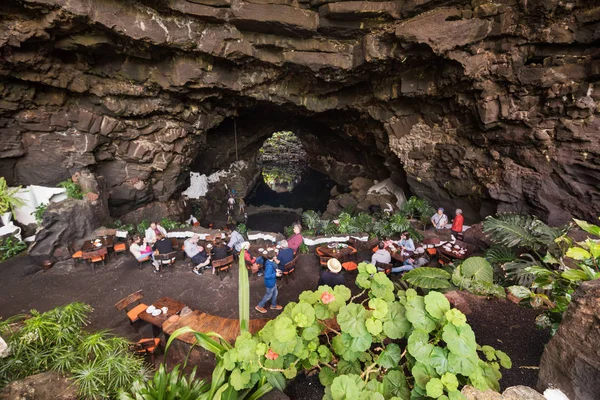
(270, 284)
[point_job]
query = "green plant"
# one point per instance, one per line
(289, 230)
(38, 213)
(72, 188)
(170, 225)
(243, 294)
(130, 228)
(327, 227)
(303, 249)
(167, 385)
(346, 224)
(10, 247)
(100, 363)
(311, 220)
(359, 360)
(363, 222)
(142, 227)
(428, 278)
(8, 198)
(476, 275)
(243, 229)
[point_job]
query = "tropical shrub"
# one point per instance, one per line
(99, 363)
(38, 213)
(141, 228)
(167, 385)
(476, 275)
(303, 249)
(170, 225)
(8, 197)
(72, 188)
(402, 346)
(130, 228)
(10, 247)
(242, 229)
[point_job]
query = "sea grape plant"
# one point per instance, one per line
(381, 344)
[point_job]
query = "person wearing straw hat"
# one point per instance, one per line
(331, 276)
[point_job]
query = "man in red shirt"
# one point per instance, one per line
(457, 224)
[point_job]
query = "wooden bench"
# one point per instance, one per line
(166, 259)
(228, 328)
(134, 312)
(290, 268)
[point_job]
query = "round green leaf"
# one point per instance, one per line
(460, 339)
(419, 346)
(477, 268)
(326, 376)
(394, 384)
(303, 314)
(379, 307)
(285, 328)
(346, 367)
(455, 317)
(416, 313)
(421, 375)
(504, 359)
(341, 345)
(390, 357)
(374, 326)
(438, 359)
(352, 319)
(361, 343)
(436, 304)
(346, 387)
(435, 388)
(450, 381)
(463, 365)
(395, 324)
(323, 312)
(312, 332)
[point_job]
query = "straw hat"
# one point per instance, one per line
(245, 245)
(334, 265)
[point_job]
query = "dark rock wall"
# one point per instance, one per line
(478, 104)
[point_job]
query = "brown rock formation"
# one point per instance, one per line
(571, 360)
(478, 104)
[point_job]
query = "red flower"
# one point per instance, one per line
(271, 355)
(327, 298)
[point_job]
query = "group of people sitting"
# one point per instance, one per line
(414, 258)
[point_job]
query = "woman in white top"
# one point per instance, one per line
(154, 230)
(139, 249)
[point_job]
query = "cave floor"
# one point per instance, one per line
(496, 322)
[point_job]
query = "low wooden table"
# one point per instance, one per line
(228, 328)
(105, 241)
(341, 254)
(173, 306)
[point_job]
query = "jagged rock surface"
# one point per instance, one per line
(571, 360)
(481, 105)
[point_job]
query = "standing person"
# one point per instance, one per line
(331, 276)
(439, 219)
(153, 231)
(236, 239)
(270, 285)
(457, 224)
(296, 239)
(139, 248)
(196, 252)
(230, 204)
(242, 204)
(285, 254)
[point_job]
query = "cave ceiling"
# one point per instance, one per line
(490, 106)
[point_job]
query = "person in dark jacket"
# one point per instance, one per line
(285, 254)
(161, 246)
(270, 284)
(331, 276)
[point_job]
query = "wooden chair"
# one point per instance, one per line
(146, 346)
(386, 267)
(223, 265)
(143, 260)
(134, 312)
(76, 255)
(120, 242)
(95, 256)
(323, 261)
(166, 259)
(319, 252)
(290, 268)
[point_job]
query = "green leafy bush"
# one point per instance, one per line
(242, 229)
(170, 225)
(10, 247)
(72, 188)
(141, 228)
(167, 385)
(303, 249)
(8, 197)
(99, 363)
(118, 224)
(364, 358)
(38, 213)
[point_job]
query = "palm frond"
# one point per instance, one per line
(516, 270)
(500, 255)
(310, 219)
(328, 227)
(514, 230)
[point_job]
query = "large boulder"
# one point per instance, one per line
(45, 386)
(511, 393)
(571, 360)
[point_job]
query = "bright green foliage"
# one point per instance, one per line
(476, 275)
(38, 213)
(170, 225)
(428, 278)
(167, 385)
(8, 197)
(10, 247)
(243, 294)
(441, 353)
(100, 364)
(72, 188)
(141, 228)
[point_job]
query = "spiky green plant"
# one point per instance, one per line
(167, 385)
(311, 219)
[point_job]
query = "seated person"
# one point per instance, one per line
(409, 264)
(381, 255)
(331, 276)
(139, 248)
(161, 246)
(219, 250)
(285, 254)
(255, 263)
(296, 239)
(197, 253)
(236, 239)
(153, 231)
(406, 243)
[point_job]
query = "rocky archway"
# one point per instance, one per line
(485, 106)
